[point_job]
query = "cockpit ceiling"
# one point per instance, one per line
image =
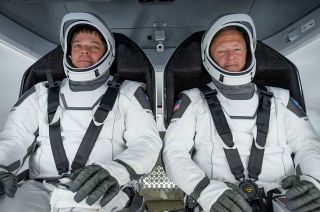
(178, 18)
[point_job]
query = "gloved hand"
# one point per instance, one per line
(302, 195)
(93, 182)
(8, 183)
(230, 201)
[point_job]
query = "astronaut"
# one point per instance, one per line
(124, 141)
(229, 145)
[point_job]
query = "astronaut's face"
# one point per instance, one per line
(229, 50)
(86, 49)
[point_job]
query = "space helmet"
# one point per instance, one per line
(69, 24)
(245, 24)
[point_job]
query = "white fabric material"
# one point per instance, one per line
(34, 196)
(129, 133)
(287, 134)
(62, 200)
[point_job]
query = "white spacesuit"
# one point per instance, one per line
(127, 146)
(194, 152)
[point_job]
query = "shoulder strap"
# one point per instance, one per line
(224, 132)
(262, 122)
(93, 131)
(232, 155)
(58, 150)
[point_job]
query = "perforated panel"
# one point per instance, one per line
(157, 186)
(160, 193)
(157, 179)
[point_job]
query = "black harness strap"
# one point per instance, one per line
(262, 122)
(232, 155)
(59, 154)
(91, 135)
(224, 132)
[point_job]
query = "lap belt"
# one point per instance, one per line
(257, 149)
(92, 133)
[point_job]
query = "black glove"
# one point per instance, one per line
(232, 201)
(94, 182)
(232, 186)
(302, 195)
(8, 183)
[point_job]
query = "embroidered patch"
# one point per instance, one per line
(181, 106)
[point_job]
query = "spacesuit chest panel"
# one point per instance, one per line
(277, 160)
(74, 121)
(79, 108)
(239, 109)
(80, 100)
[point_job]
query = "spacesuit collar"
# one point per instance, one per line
(235, 92)
(88, 85)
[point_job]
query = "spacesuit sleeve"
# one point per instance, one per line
(142, 139)
(17, 138)
(303, 141)
(178, 146)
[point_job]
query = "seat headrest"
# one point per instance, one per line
(131, 61)
(186, 64)
(274, 69)
(37, 72)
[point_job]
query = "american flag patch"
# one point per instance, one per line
(177, 105)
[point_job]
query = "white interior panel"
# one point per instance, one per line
(13, 65)
(307, 61)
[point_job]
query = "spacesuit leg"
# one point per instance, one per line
(62, 200)
(31, 196)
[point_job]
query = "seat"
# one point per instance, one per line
(184, 70)
(130, 63)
